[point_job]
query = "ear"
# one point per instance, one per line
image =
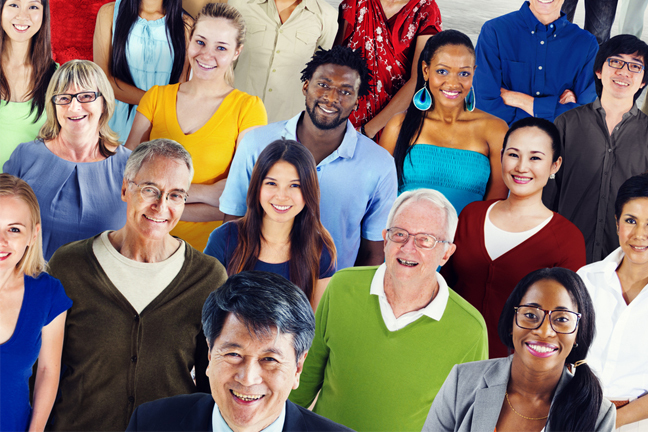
(305, 87)
(237, 53)
(598, 74)
(451, 248)
(556, 165)
(300, 368)
(384, 235)
(37, 229)
(425, 68)
(123, 191)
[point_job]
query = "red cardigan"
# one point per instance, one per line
(486, 284)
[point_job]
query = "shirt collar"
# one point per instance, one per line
(220, 425)
(307, 4)
(346, 148)
(433, 310)
(610, 265)
(634, 111)
(532, 22)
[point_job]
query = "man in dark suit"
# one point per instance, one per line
(259, 327)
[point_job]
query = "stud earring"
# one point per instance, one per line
(552, 176)
(422, 99)
(469, 102)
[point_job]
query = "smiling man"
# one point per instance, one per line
(387, 336)
(357, 177)
(604, 143)
(259, 327)
(134, 333)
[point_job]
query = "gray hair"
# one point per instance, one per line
(434, 197)
(263, 302)
(160, 147)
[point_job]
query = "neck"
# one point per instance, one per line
(137, 248)
(15, 54)
(200, 88)
(445, 114)
(77, 148)
(633, 273)
(276, 233)
(8, 278)
(320, 142)
(614, 106)
(404, 297)
(533, 384)
(151, 7)
(531, 204)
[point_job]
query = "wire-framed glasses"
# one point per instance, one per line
(561, 321)
(421, 240)
(152, 194)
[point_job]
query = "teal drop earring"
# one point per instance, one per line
(422, 99)
(469, 102)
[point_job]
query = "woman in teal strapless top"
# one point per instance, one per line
(442, 142)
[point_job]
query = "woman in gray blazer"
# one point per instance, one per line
(549, 321)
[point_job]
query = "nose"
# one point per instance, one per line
(249, 373)
(409, 244)
(3, 238)
(23, 12)
(641, 231)
(161, 203)
(521, 165)
(75, 104)
(545, 330)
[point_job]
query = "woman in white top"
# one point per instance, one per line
(619, 354)
(500, 241)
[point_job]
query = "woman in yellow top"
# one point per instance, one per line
(207, 115)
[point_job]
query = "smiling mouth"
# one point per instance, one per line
(21, 28)
(204, 66)
(541, 349)
(4, 255)
(621, 83)
(519, 179)
(281, 208)
(246, 398)
(545, 1)
(77, 118)
(406, 263)
(327, 110)
(639, 248)
(155, 220)
(450, 94)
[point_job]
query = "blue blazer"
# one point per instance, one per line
(472, 396)
(193, 412)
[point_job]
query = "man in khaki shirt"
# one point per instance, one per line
(282, 36)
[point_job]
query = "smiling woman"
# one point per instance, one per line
(207, 115)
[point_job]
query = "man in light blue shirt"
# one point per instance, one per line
(357, 177)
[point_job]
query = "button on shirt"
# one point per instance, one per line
(433, 310)
(220, 425)
(595, 164)
(619, 353)
(517, 52)
(270, 65)
(357, 185)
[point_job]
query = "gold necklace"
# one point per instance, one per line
(524, 417)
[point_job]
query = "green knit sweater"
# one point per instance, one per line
(372, 379)
(115, 359)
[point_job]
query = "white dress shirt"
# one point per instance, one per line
(220, 425)
(433, 310)
(619, 353)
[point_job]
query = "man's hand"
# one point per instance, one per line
(518, 100)
(568, 96)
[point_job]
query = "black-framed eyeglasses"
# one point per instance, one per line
(82, 97)
(615, 63)
(561, 321)
(152, 194)
(421, 240)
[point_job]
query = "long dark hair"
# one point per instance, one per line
(307, 237)
(414, 118)
(583, 394)
(126, 18)
(40, 57)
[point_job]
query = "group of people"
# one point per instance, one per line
(435, 205)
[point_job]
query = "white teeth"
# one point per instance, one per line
(76, 118)
(155, 220)
(246, 398)
(621, 83)
(640, 248)
(204, 66)
(521, 178)
(450, 93)
(407, 263)
(541, 348)
(326, 110)
(2, 255)
(21, 27)
(281, 208)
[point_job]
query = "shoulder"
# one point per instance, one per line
(167, 413)
(501, 23)
(472, 371)
(367, 149)
(359, 277)
(577, 35)
(259, 138)
(243, 99)
(565, 227)
(473, 319)
(122, 153)
(606, 419)
(71, 252)
(475, 209)
(44, 283)
(298, 418)
(106, 12)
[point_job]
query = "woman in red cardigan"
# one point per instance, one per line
(499, 242)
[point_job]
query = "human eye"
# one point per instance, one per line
(63, 99)
(12, 5)
(201, 43)
(464, 74)
(150, 191)
(15, 230)
(323, 85)
(270, 183)
(425, 241)
(270, 360)
(512, 154)
(635, 67)
(630, 221)
(536, 158)
(442, 71)
(295, 185)
(176, 197)
(86, 97)
(34, 6)
(221, 48)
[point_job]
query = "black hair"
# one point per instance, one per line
(545, 126)
(620, 44)
(341, 56)
(263, 302)
(634, 187)
(127, 15)
(414, 118)
(583, 393)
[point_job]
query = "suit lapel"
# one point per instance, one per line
(488, 401)
(294, 418)
(199, 416)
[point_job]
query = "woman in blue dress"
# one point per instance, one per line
(281, 231)
(138, 47)
(33, 306)
(442, 142)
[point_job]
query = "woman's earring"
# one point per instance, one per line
(552, 176)
(469, 102)
(422, 99)
(575, 345)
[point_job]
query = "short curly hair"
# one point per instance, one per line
(341, 56)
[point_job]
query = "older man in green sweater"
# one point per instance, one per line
(387, 337)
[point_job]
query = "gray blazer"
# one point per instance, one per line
(472, 396)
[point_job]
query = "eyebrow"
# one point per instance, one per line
(274, 179)
(18, 223)
(230, 345)
(637, 59)
(460, 67)
(149, 183)
(536, 305)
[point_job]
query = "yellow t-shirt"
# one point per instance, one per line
(211, 147)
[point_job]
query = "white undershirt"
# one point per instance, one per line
(139, 282)
(498, 241)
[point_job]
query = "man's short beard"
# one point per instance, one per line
(324, 126)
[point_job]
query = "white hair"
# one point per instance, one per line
(434, 197)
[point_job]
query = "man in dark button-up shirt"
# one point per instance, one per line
(534, 62)
(603, 144)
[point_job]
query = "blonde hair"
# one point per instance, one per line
(32, 262)
(230, 13)
(86, 75)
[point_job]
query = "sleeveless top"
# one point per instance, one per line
(150, 55)
(18, 126)
(460, 175)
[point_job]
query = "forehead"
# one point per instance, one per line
(532, 137)
(455, 54)
(215, 27)
(340, 75)
(235, 333)
(636, 206)
(420, 216)
(549, 294)
(163, 169)
(283, 167)
(16, 208)
(634, 57)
